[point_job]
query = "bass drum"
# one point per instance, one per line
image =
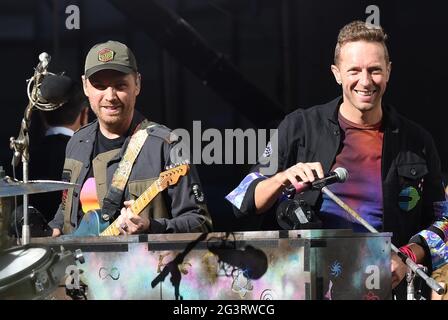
(31, 271)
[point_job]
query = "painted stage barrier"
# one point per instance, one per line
(299, 265)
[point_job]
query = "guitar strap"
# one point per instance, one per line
(112, 200)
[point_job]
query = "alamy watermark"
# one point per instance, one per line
(234, 146)
(373, 20)
(73, 19)
(72, 281)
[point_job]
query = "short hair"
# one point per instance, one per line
(360, 31)
(69, 111)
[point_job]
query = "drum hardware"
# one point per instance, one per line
(6, 205)
(20, 145)
(38, 223)
(33, 272)
(10, 187)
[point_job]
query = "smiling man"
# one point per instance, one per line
(112, 83)
(393, 165)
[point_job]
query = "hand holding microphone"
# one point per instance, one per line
(305, 172)
(297, 214)
(296, 179)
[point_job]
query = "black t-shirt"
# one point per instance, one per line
(88, 196)
(103, 144)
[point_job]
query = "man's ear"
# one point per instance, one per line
(84, 116)
(138, 83)
(389, 70)
(336, 74)
(84, 84)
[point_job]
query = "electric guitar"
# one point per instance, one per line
(92, 224)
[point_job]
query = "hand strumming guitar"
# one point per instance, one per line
(130, 223)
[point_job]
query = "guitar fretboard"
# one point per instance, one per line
(137, 207)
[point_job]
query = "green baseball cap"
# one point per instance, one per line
(110, 55)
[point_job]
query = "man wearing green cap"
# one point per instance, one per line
(112, 83)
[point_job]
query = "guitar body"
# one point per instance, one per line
(92, 224)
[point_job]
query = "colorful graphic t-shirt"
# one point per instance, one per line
(361, 156)
(88, 196)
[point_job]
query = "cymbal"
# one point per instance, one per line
(10, 188)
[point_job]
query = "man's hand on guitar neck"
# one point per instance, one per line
(129, 223)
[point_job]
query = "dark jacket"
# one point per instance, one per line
(409, 158)
(176, 209)
(47, 161)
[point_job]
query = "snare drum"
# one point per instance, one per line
(29, 272)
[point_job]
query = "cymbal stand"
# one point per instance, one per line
(20, 146)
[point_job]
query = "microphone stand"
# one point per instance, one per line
(20, 146)
(411, 292)
(21, 151)
(411, 264)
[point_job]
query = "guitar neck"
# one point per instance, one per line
(137, 207)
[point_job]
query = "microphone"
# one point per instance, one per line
(55, 89)
(338, 175)
(48, 91)
(297, 214)
(44, 61)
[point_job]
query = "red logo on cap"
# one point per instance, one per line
(105, 55)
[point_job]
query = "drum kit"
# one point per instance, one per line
(30, 271)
